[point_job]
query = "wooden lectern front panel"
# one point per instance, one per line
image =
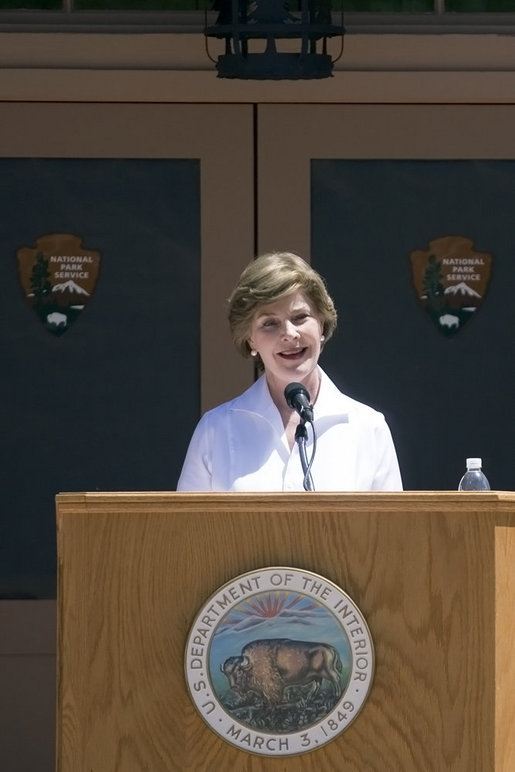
(425, 570)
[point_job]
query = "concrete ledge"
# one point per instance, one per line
(186, 86)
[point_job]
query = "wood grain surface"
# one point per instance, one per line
(432, 573)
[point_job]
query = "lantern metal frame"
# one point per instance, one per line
(240, 21)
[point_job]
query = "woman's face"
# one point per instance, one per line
(287, 336)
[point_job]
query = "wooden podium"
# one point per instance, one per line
(432, 573)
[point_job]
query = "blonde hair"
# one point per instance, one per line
(268, 278)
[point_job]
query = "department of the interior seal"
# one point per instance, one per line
(279, 661)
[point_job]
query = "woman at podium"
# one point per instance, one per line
(293, 429)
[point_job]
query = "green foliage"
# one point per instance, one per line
(363, 6)
(31, 5)
(387, 6)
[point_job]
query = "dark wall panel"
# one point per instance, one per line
(446, 397)
(108, 405)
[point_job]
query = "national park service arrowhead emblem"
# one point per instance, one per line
(279, 661)
(451, 278)
(58, 276)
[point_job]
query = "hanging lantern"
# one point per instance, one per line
(243, 22)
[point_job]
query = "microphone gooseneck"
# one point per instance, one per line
(297, 397)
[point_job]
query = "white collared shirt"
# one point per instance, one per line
(242, 446)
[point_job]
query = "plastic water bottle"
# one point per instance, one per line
(474, 479)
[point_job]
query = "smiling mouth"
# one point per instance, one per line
(297, 353)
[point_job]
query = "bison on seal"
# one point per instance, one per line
(269, 667)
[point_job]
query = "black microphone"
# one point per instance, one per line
(297, 397)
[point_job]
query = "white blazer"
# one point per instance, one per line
(242, 446)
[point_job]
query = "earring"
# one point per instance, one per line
(253, 353)
(322, 338)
